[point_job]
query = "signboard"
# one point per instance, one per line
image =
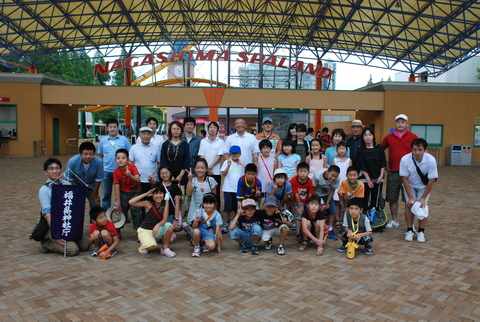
(4, 99)
(68, 211)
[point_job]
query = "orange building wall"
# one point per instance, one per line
(68, 117)
(456, 111)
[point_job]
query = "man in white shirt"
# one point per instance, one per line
(146, 157)
(246, 141)
(419, 173)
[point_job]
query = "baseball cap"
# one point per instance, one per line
(420, 212)
(280, 171)
(249, 203)
(145, 128)
(267, 119)
(235, 149)
(270, 201)
(357, 123)
(401, 116)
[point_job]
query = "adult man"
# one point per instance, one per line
(355, 140)
(268, 134)
(419, 173)
(247, 142)
(86, 169)
(146, 157)
(211, 149)
(309, 136)
(107, 148)
(192, 140)
(156, 139)
(398, 143)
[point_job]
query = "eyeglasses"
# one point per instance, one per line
(54, 168)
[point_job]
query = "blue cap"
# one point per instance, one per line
(270, 201)
(235, 149)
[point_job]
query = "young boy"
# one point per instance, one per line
(245, 228)
(301, 146)
(232, 169)
(351, 187)
(313, 225)
(273, 223)
(356, 227)
(249, 187)
(303, 189)
(325, 182)
(206, 227)
(126, 180)
(102, 231)
(265, 163)
(280, 188)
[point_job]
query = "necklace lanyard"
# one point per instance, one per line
(353, 226)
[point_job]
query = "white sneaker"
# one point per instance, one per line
(421, 237)
(392, 224)
(409, 236)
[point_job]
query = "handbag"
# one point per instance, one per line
(40, 230)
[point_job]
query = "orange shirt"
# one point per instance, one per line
(346, 190)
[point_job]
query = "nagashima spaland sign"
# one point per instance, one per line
(213, 55)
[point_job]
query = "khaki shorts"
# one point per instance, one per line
(394, 187)
(146, 238)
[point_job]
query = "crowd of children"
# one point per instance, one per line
(318, 185)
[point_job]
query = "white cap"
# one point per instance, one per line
(145, 129)
(420, 212)
(401, 116)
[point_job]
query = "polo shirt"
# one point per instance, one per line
(398, 147)
(274, 139)
(248, 144)
(428, 165)
(146, 159)
(210, 150)
(80, 173)
(108, 150)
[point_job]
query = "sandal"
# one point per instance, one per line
(303, 245)
(319, 250)
(338, 224)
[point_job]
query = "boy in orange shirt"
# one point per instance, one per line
(351, 187)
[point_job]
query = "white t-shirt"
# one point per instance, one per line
(230, 181)
(322, 186)
(428, 165)
(210, 150)
(247, 142)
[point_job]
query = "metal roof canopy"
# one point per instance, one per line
(409, 35)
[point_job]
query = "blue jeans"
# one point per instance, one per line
(107, 184)
(332, 208)
(246, 235)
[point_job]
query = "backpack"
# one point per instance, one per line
(378, 215)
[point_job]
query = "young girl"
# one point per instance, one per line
(206, 226)
(338, 135)
(316, 160)
(265, 164)
(197, 187)
(291, 132)
(174, 195)
(288, 160)
(372, 163)
(155, 226)
(343, 162)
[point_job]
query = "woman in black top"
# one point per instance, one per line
(175, 153)
(371, 160)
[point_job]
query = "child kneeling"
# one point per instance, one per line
(245, 228)
(313, 224)
(206, 227)
(102, 232)
(356, 227)
(155, 226)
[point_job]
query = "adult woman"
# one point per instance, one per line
(292, 132)
(175, 153)
(371, 160)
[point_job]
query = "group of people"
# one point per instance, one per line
(321, 187)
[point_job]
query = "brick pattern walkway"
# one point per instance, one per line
(435, 281)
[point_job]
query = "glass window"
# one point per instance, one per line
(8, 121)
(335, 118)
(432, 133)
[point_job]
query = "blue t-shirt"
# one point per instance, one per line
(108, 148)
(289, 163)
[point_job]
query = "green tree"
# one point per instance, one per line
(478, 75)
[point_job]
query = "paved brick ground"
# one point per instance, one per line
(438, 280)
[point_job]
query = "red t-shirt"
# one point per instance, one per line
(108, 226)
(126, 183)
(303, 190)
(398, 147)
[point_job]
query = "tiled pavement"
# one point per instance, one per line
(435, 281)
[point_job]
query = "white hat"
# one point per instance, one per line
(248, 203)
(117, 218)
(145, 128)
(357, 123)
(401, 116)
(420, 212)
(280, 171)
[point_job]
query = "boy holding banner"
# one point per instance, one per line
(53, 171)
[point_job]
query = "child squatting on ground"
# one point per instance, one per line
(356, 227)
(102, 232)
(313, 224)
(245, 228)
